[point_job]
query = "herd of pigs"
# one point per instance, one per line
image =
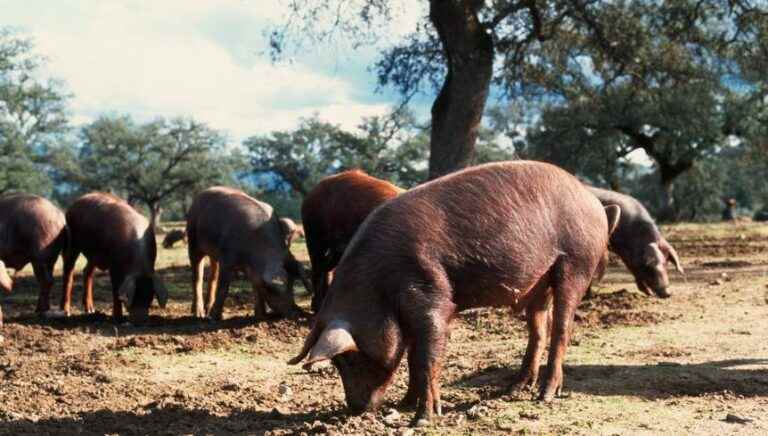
(390, 268)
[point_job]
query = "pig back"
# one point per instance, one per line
(110, 232)
(30, 228)
(230, 225)
(494, 226)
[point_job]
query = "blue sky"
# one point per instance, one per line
(199, 58)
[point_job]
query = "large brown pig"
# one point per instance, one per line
(517, 234)
(238, 232)
(113, 236)
(331, 213)
(32, 230)
(639, 244)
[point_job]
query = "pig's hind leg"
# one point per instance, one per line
(536, 314)
(568, 287)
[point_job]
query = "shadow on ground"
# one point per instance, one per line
(653, 381)
(172, 419)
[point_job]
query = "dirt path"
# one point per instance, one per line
(637, 365)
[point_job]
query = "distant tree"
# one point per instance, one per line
(661, 77)
(32, 116)
(391, 147)
(152, 163)
(462, 47)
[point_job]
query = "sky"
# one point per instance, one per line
(199, 58)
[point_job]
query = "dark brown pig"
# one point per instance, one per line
(113, 236)
(517, 234)
(173, 237)
(639, 244)
(32, 230)
(238, 232)
(331, 213)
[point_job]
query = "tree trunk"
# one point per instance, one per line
(669, 172)
(458, 109)
(156, 211)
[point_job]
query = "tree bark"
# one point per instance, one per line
(669, 172)
(458, 109)
(156, 211)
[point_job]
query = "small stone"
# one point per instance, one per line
(103, 378)
(733, 419)
(285, 392)
(504, 425)
(407, 432)
(476, 412)
(391, 416)
(230, 387)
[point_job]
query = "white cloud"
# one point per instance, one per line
(158, 58)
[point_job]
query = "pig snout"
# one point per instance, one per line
(661, 292)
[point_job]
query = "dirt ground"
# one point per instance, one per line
(693, 364)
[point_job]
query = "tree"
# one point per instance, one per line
(148, 163)
(32, 116)
(391, 147)
(661, 77)
(462, 47)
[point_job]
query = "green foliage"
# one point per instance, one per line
(151, 163)
(32, 116)
(391, 147)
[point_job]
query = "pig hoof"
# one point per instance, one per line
(421, 422)
(54, 314)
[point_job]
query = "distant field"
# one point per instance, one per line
(637, 365)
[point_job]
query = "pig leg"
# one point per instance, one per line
(117, 280)
(198, 309)
(213, 281)
(537, 314)
(225, 277)
(260, 303)
(568, 289)
(70, 258)
(88, 272)
(45, 281)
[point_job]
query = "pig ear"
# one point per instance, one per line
(653, 254)
(127, 290)
(161, 293)
(6, 283)
(671, 254)
(613, 212)
(334, 340)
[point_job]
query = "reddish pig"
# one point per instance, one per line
(238, 232)
(113, 236)
(331, 213)
(639, 244)
(518, 234)
(32, 230)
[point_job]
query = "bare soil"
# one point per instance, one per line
(696, 363)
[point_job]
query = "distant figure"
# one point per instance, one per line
(173, 237)
(761, 215)
(729, 213)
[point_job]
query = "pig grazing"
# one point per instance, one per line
(639, 244)
(173, 237)
(518, 234)
(113, 236)
(238, 232)
(331, 213)
(32, 230)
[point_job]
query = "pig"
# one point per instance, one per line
(173, 237)
(239, 233)
(32, 230)
(114, 237)
(638, 242)
(290, 230)
(331, 213)
(519, 234)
